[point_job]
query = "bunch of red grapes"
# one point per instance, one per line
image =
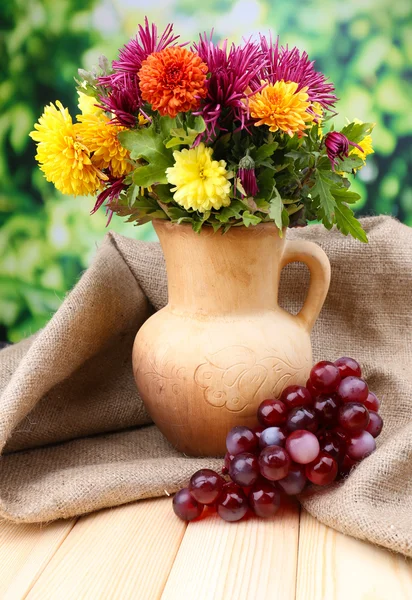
(313, 434)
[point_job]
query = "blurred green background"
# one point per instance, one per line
(47, 240)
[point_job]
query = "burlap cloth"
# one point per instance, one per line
(76, 437)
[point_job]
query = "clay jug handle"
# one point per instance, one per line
(318, 263)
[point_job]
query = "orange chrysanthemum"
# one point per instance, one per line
(173, 80)
(282, 107)
(99, 135)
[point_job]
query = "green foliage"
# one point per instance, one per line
(187, 132)
(321, 191)
(148, 144)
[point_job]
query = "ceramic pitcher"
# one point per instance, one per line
(222, 344)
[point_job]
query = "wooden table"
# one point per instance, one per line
(142, 551)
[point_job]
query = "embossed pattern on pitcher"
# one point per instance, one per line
(232, 377)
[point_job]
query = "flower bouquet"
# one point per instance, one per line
(207, 134)
(223, 147)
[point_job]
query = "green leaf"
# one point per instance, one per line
(176, 213)
(186, 137)
(229, 212)
(356, 132)
(166, 125)
(285, 218)
(197, 225)
(141, 210)
(131, 194)
(344, 195)
(264, 151)
(349, 163)
(265, 183)
(147, 144)
(294, 154)
(249, 219)
(216, 226)
(163, 193)
(322, 191)
(294, 208)
(276, 207)
(347, 223)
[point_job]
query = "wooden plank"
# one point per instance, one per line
(333, 565)
(125, 552)
(25, 550)
(250, 559)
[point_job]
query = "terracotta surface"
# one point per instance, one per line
(222, 344)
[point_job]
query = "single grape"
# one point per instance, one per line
(185, 506)
(312, 391)
(272, 413)
(264, 499)
(244, 469)
(348, 366)
(325, 377)
(375, 424)
(296, 395)
(241, 439)
(272, 436)
(302, 418)
(346, 466)
(361, 445)
(334, 445)
(226, 463)
(372, 402)
(257, 431)
(323, 470)
(205, 486)
(302, 446)
(232, 503)
(353, 416)
(295, 480)
(353, 389)
(327, 410)
(274, 463)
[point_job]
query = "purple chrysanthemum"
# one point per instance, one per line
(111, 193)
(123, 97)
(230, 75)
(123, 100)
(337, 146)
(247, 176)
(138, 49)
(292, 65)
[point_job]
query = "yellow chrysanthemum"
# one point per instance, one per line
(316, 113)
(200, 182)
(87, 104)
(100, 137)
(281, 107)
(64, 160)
(365, 144)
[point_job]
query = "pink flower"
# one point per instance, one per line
(138, 49)
(291, 65)
(337, 146)
(110, 193)
(123, 100)
(247, 176)
(230, 75)
(123, 97)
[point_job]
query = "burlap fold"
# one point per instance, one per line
(75, 436)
